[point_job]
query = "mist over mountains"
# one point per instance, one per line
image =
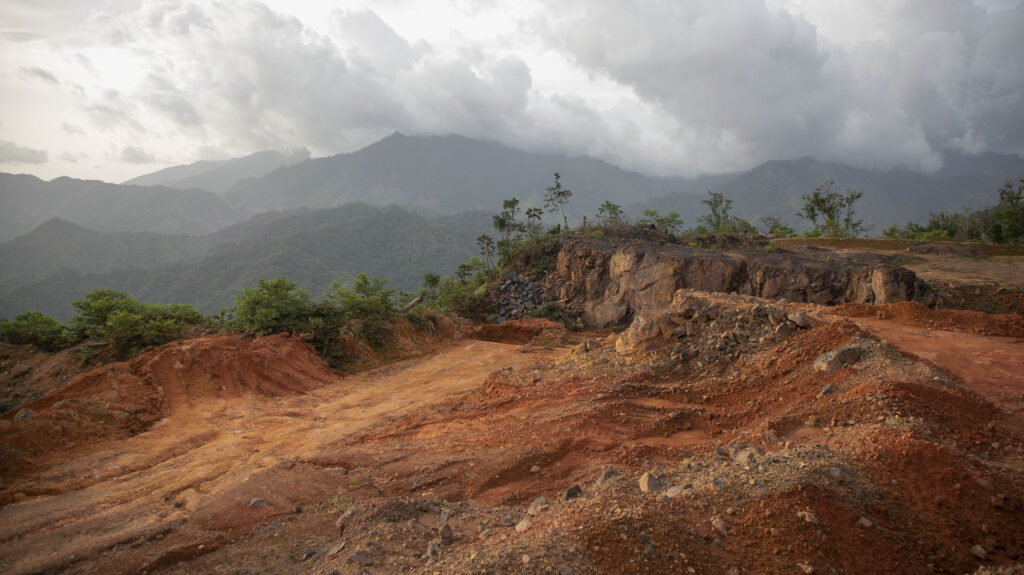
(400, 208)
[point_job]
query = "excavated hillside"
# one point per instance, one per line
(714, 432)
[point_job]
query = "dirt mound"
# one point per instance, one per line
(27, 373)
(122, 399)
(399, 338)
(520, 331)
(1006, 325)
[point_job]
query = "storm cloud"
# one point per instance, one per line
(661, 87)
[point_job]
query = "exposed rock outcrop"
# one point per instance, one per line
(606, 283)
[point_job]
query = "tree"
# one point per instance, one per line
(557, 198)
(775, 228)
(273, 306)
(486, 244)
(1010, 211)
(719, 220)
(533, 227)
(611, 214)
(506, 225)
(669, 223)
(835, 212)
(95, 308)
(34, 328)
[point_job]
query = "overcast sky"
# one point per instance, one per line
(117, 88)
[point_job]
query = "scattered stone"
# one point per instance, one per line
(573, 492)
(274, 526)
(720, 451)
(526, 559)
(259, 502)
(309, 555)
(344, 518)
(651, 551)
(807, 516)
(801, 319)
(865, 522)
(565, 570)
(839, 358)
(827, 390)
(806, 568)
(607, 474)
(362, 558)
(747, 455)
(336, 549)
(650, 483)
(835, 473)
(433, 550)
(719, 524)
(446, 534)
(718, 484)
(539, 504)
(534, 469)
(979, 552)
(446, 514)
(24, 415)
(674, 492)
(523, 525)
(481, 527)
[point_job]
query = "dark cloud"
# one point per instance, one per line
(135, 155)
(11, 153)
(40, 74)
(742, 83)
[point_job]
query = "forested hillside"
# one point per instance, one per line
(309, 247)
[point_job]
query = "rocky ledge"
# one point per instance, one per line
(604, 282)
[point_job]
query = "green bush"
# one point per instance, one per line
(34, 328)
(367, 298)
(95, 308)
(271, 307)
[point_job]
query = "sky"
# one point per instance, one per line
(117, 88)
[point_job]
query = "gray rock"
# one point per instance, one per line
(865, 522)
(24, 415)
(839, 358)
(674, 492)
(565, 570)
(827, 390)
(259, 502)
(801, 319)
(433, 550)
(344, 518)
(747, 454)
(719, 524)
(979, 551)
(361, 558)
(651, 551)
(446, 534)
(573, 492)
(523, 525)
(650, 483)
(721, 451)
(539, 504)
(607, 474)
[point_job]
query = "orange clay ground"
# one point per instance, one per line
(222, 454)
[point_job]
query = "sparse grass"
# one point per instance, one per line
(336, 504)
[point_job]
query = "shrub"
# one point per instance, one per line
(367, 298)
(95, 308)
(274, 306)
(34, 328)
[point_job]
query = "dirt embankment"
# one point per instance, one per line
(122, 399)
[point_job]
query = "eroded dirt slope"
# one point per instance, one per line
(769, 463)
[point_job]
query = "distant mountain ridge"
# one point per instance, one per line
(60, 261)
(448, 174)
(220, 176)
(26, 201)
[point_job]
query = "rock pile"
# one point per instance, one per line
(516, 296)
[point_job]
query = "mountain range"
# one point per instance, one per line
(271, 214)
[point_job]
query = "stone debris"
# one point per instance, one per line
(979, 551)
(259, 502)
(607, 474)
(807, 515)
(573, 492)
(344, 518)
(361, 557)
(650, 483)
(838, 359)
(523, 525)
(719, 524)
(537, 505)
(517, 296)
